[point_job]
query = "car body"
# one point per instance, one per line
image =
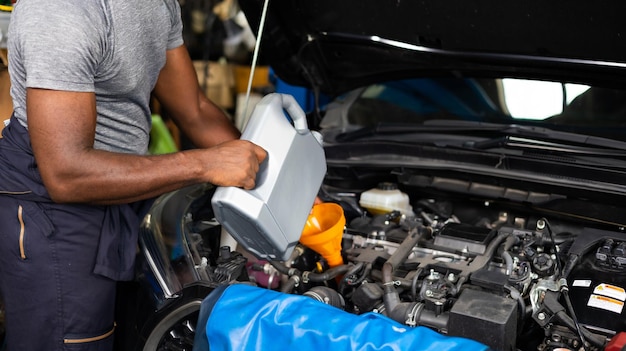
(521, 213)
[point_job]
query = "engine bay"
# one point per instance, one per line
(499, 273)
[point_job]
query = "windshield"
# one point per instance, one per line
(560, 106)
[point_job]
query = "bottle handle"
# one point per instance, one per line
(294, 110)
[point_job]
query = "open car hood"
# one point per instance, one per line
(335, 46)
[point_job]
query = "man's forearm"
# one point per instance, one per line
(102, 177)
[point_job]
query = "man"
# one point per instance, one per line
(73, 168)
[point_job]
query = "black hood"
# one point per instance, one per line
(338, 45)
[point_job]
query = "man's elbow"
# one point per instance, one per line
(60, 189)
(60, 195)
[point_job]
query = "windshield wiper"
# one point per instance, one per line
(544, 138)
(526, 143)
(381, 129)
(507, 135)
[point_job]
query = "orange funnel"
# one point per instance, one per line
(323, 231)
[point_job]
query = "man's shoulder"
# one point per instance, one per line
(44, 12)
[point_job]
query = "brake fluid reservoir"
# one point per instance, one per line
(386, 197)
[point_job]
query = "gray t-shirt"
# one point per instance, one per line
(114, 48)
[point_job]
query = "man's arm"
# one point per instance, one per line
(178, 91)
(73, 171)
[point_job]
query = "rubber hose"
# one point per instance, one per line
(290, 284)
(391, 298)
(508, 259)
(329, 274)
(288, 271)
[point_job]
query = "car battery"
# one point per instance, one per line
(268, 220)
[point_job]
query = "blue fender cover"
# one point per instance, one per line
(244, 318)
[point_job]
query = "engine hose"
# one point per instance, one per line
(291, 283)
(482, 260)
(391, 298)
(437, 321)
(572, 260)
(406, 247)
(327, 275)
(345, 281)
(593, 339)
(414, 283)
(282, 268)
(508, 259)
(415, 314)
(357, 267)
(326, 295)
(365, 274)
(510, 241)
(298, 250)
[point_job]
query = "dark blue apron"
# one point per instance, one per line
(20, 178)
(59, 263)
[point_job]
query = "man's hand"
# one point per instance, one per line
(235, 163)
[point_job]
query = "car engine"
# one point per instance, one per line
(472, 269)
(504, 274)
